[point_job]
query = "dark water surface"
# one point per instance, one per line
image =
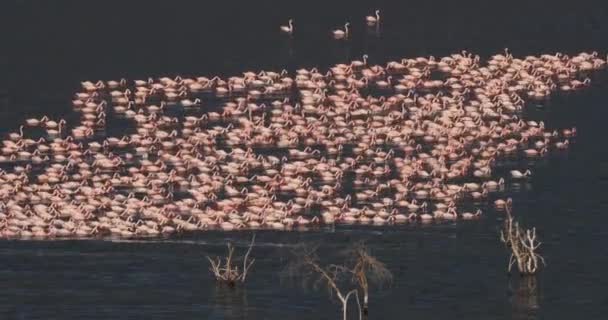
(442, 271)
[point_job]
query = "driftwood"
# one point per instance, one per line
(229, 273)
(523, 245)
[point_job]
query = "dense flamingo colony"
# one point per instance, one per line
(414, 140)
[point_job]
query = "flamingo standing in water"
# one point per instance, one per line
(288, 28)
(341, 34)
(373, 20)
(516, 174)
(75, 186)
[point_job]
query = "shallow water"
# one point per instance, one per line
(447, 270)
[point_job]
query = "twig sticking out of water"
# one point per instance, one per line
(523, 245)
(229, 273)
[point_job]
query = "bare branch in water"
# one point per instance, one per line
(229, 273)
(523, 245)
(361, 269)
(306, 264)
(367, 270)
(247, 265)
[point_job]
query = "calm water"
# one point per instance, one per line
(442, 271)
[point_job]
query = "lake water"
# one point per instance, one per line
(441, 271)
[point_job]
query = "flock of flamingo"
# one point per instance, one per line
(338, 34)
(412, 140)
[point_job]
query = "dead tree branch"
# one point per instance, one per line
(306, 264)
(228, 273)
(361, 269)
(523, 245)
(367, 270)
